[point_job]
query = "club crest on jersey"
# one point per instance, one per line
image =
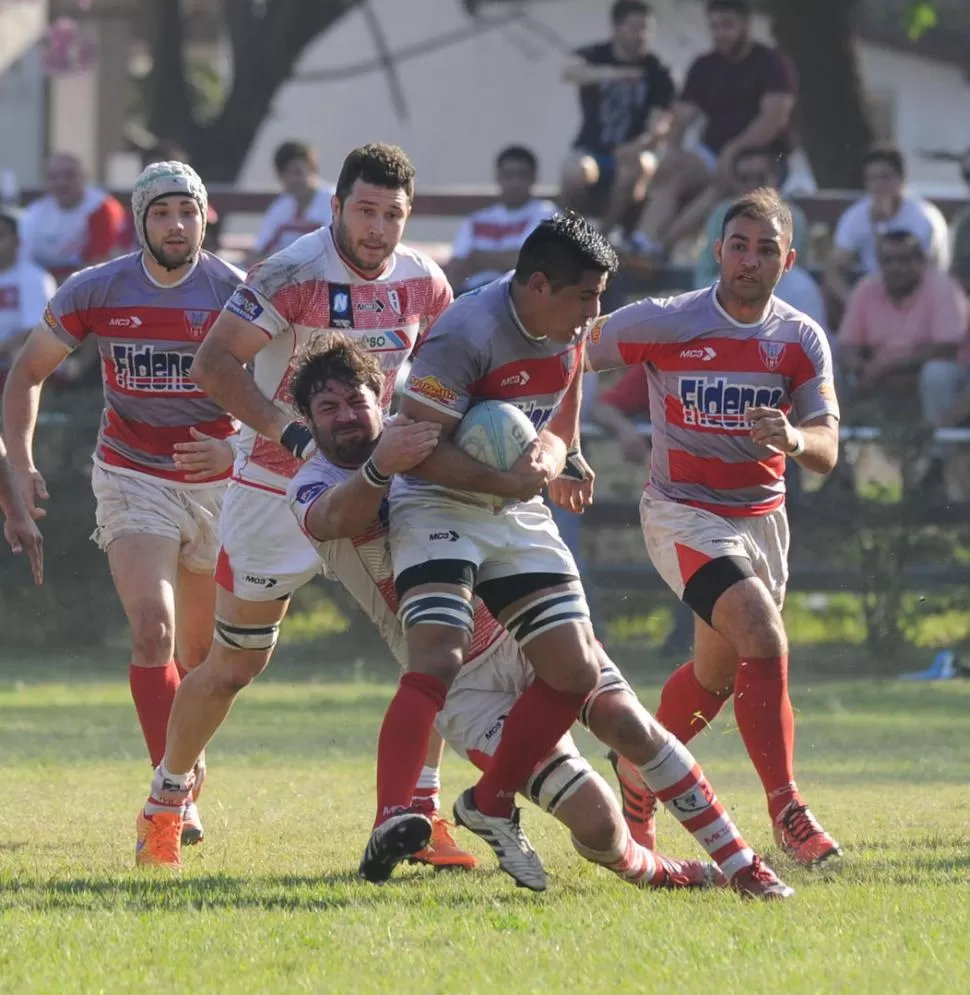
(771, 354)
(197, 323)
(397, 297)
(341, 314)
(433, 389)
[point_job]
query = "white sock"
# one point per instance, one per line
(170, 792)
(627, 859)
(426, 794)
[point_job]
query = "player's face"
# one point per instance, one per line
(515, 179)
(8, 245)
(173, 227)
(752, 257)
(65, 180)
(729, 32)
(369, 225)
(346, 422)
(632, 35)
(882, 181)
(297, 177)
(567, 313)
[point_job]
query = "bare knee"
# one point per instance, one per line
(437, 651)
(593, 817)
(152, 635)
(747, 616)
(618, 720)
(228, 671)
(192, 654)
(572, 669)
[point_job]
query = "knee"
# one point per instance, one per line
(602, 829)
(152, 636)
(441, 661)
(583, 674)
(229, 671)
(767, 639)
(192, 654)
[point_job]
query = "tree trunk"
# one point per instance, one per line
(833, 117)
(169, 107)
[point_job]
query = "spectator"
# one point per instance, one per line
(625, 95)
(886, 207)
(488, 241)
(746, 92)
(25, 290)
(75, 224)
(303, 206)
(961, 234)
(756, 168)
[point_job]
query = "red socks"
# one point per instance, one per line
(153, 690)
(767, 725)
(403, 742)
(686, 707)
(536, 722)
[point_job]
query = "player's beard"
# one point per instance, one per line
(342, 238)
(344, 448)
(173, 257)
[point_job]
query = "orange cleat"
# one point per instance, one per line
(639, 802)
(799, 835)
(157, 840)
(442, 851)
(758, 880)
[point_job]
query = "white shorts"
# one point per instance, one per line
(681, 539)
(137, 504)
(264, 555)
(520, 539)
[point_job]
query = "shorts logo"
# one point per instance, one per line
(267, 582)
(718, 403)
(519, 379)
(197, 323)
(771, 354)
(596, 329)
(49, 320)
(341, 315)
(450, 536)
(705, 355)
(244, 304)
(495, 728)
(398, 299)
(433, 389)
(131, 322)
(308, 492)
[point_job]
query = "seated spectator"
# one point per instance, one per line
(886, 207)
(74, 225)
(756, 168)
(960, 228)
(25, 290)
(746, 92)
(900, 320)
(488, 242)
(625, 95)
(304, 206)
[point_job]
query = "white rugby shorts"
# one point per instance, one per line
(138, 504)
(519, 539)
(681, 539)
(264, 556)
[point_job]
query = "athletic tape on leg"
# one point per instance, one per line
(547, 612)
(557, 780)
(437, 609)
(260, 637)
(610, 680)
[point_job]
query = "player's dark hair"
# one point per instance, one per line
(763, 204)
(290, 151)
(623, 9)
(518, 153)
(333, 356)
(740, 7)
(888, 154)
(564, 248)
(378, 164)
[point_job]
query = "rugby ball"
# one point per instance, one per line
(495, 433)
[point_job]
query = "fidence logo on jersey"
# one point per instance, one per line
(433, 389)
(716, 402)
(244, 304)
(537, 414)
(143, 368)
(341, 315)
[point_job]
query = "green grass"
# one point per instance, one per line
(270, 902)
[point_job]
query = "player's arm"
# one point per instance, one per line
(18, 528)
(632, 335)
(41, 355)
(813, 445)
(572, 488)
(219, 368)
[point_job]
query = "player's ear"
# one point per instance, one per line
(717, 252)
(335, 206)
(539, 283)
(790, 259)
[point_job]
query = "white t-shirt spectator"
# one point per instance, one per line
(856, 233)
(499, 229)
(25, 290)
(283, 224)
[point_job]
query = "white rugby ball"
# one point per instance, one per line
(495, 433)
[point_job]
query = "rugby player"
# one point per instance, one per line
(341, 506)
(356, 276)
(518, 339)
(739, 383)
(159, 474)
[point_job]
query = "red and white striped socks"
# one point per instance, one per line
(627, 860)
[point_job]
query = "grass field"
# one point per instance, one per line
(271, 903)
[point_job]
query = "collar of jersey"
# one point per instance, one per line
(734, 321)
(166, 286)
(515, 316)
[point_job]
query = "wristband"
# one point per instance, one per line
(799, 444)
(576, 467)
(372, 475)
(298, 439)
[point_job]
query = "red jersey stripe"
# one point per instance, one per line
(157, 440)
(529, 377)
(719, 475)
(713, 356)
(112, 457)
(738, 510)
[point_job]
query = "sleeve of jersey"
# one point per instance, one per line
(444, 370)
(66, 313)
(305, 489)
(251, 304)
(813, 385)
(630, 335)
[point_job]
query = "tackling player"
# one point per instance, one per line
(158, 476)
(518, 339)
(733, 370)
(355, 276)
(341, 506)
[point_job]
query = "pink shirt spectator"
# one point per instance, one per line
(935, 313)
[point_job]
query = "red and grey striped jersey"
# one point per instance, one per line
(706, 371)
